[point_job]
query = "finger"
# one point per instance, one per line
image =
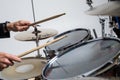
(2, 66)
(25, 27)
(13, 57)
(22, 28)
(6, 61)
(23, 22)
(12, 63)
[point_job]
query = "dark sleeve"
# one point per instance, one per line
(117, 32)
(113, 19)
(3, 33)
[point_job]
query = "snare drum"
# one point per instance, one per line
(74, 37)
(83, 60)
(30, 67)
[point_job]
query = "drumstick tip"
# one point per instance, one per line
(63, 14)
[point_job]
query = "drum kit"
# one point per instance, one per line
(71, 54)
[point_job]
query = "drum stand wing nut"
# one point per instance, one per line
(116, 60)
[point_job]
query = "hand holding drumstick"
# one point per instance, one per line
(8, 59)
(21, 25)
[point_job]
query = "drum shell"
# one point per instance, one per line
(72, 63)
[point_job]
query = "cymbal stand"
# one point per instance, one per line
(36, 30)
(89, 2)
(111, 26)
(102, 22)
(37, 37)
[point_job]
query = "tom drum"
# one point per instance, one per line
(86, 59)
(74, 37)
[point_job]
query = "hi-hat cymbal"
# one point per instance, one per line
(111, 8)
(29, 68)
(30, 35)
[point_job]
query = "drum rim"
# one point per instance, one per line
(82, 43)
(72, 30)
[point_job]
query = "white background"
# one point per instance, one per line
(13, 10)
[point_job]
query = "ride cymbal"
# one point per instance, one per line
(111, 8)
(30, 35)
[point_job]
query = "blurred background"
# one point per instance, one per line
(13, 10)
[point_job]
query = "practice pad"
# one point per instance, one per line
(28, 68)
(30, 35)
(111, 8)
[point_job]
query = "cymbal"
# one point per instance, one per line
(111, 8)
(30, 35)
(30, 67)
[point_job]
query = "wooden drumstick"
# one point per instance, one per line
(46, 19)
(39, 47)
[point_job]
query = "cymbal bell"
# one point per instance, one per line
(111, 8)
(30, 35)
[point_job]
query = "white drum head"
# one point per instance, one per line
(28, 68)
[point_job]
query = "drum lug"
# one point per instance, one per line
(115, 61)
(118, 60)
(50, 55)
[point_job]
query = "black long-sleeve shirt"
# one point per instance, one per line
(3, 33)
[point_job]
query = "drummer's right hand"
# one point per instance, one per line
(21, 25)
(7, 60)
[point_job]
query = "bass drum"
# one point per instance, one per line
(73, 37)
(89, 58)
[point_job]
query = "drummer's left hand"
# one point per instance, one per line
(7, 60)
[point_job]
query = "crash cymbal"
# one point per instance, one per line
(30, 35)
(29, 68)
(111, 8)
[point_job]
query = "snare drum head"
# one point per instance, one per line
(73, 37)
(28, 68)
(82, 60)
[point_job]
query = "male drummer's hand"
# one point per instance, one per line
(7, 60)
(21, 25)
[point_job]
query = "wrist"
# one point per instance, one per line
(8, 26)
(5, 27)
